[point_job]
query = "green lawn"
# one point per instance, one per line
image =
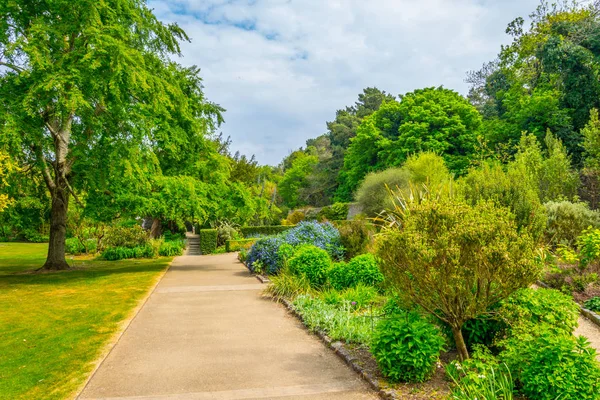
(54, 326)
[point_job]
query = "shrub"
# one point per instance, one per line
(238, 244)
(254, 231)
(312, 262)
(294, 218)
(225, 232)
(483, 330)
(589, 247)
(407, 348)
(362, 269)
(263, 253)
(75, 247)
(355, 237)
(373, 196)
(593, 304)
(171, 248)
(208, 241)
(122, 253)
(480, 377)
(126, 236)
(443, 250)
(566, 221)
(335, 212)
(284, 253)
(322, 235)
(529, 309)
(339, 322)
(288, 286)
(550, 366)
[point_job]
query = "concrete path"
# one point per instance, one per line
(206, 333)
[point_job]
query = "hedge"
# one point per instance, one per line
(248, 231)
(208, 241)
(238, 244)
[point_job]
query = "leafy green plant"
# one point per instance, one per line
(567, 220)
(126, 236)
(593, 304)
(312, 262)
(287, 286)
(355, 236)
(567, 255)
(482, 330)
(589, 247)
(226, 232)
(359, 297)
(551, 366)
(436, 251)
(171, 248)
(338, 321)
(529, 309)
(407, 348)
(361, 269)
(284, 253)
(208, 241)
(480, 377)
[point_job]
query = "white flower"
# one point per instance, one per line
(481, 376)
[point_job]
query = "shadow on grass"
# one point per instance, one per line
(90, 271)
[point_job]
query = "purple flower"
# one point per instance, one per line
(353, 303)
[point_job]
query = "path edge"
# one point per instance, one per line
(123, 327)
(340, 350)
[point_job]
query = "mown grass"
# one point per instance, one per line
(53, 326)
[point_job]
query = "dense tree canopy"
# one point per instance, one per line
(433, 119)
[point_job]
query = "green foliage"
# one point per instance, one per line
(294, 218)
(480, 377)
(225, 232)
(593, 304)
(530, 309)
(335, 212)
(75, 246)
(284, 253)
(208, 241)
(439, 251)
(591, 141)
(507, 188)
(551, 366)
(124, 236)
(360, 296)
(434, 120)
(589, 247)
(253, 231)
(238, 244)
(355, 237)
(373, 193)
(566, 221)
(312, 262)
(171, 248)
(407, 348)
(339, 321)
(361, 269)
(483, 330)
(288, 286)
(122, 253)
(296, 178)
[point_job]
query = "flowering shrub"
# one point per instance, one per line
(265, 252)
(324, 236)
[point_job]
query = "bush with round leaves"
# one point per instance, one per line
(407, 347)
(549, 366)
(312, 262)
(361, 269)
(567, 220)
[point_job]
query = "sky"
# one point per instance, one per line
(281, 68)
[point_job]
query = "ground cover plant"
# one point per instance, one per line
(48, 347)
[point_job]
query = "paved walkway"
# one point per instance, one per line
(206, 333)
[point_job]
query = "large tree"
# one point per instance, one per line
(432, 119)
(454, 260)
(86, 82)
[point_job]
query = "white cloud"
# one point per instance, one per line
(282, 68)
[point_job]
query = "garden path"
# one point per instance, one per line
(206, 333)
(591, 331)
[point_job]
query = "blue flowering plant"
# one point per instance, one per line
(322, 235)
(262, 257)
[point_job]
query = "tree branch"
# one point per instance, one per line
(11, 66)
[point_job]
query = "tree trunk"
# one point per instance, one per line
(155, 230)
(461, 347)
(58, 229)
